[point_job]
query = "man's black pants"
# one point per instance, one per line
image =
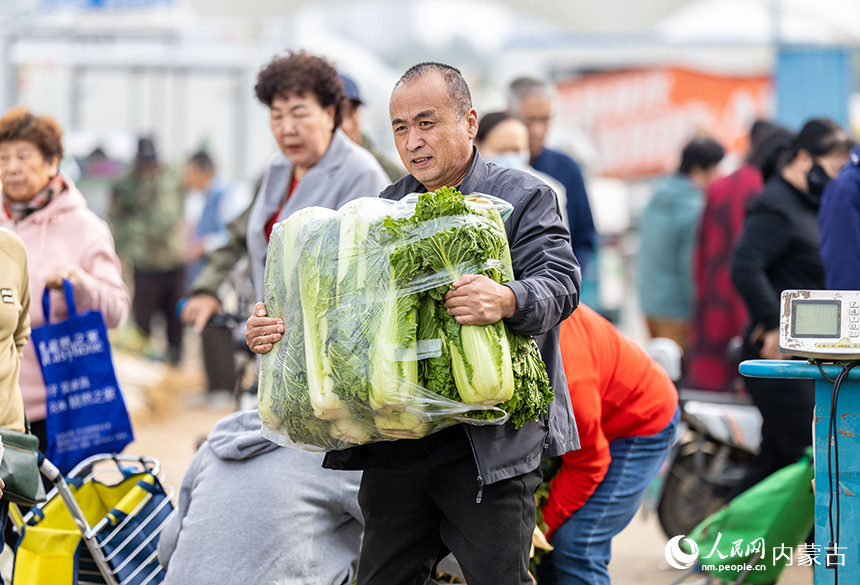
(787, 408)
(418, 498)
(159, 292)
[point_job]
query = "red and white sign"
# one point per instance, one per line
(639, 120)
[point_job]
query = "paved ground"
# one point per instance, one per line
(173, 436)
(638, 558)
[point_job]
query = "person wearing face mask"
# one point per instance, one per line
(779, 249)
(503, 139)
(532, 99)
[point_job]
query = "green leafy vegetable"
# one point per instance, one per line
(370, 352)
(283, 399)
(453, 240)
(361, 273)
(487, 364)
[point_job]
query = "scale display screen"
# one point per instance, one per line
(816, 318)
(820, 324)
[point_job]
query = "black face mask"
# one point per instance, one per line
(817, 178)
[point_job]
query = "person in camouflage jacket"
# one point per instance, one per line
(146, 213)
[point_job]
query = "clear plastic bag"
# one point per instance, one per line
(369, 352)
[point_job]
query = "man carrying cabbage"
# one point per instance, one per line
(465, 489)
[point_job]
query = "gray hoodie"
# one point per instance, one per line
(252, 512)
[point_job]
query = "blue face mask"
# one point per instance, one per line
(510, 160)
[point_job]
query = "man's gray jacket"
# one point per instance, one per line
(547, 289)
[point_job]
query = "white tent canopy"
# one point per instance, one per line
(759, 22)
(719, 36)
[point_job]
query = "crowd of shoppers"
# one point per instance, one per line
(765, 228)
(389, 512)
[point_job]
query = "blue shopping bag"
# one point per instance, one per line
(86, 411)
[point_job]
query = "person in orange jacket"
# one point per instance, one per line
(626, 410)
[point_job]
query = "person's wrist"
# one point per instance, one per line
(509, 302)
(202, 294)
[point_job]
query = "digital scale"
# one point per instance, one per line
(820, 324)
(824, 326)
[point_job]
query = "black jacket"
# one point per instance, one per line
(778, 250)
(547, 289)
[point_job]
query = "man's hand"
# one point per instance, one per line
(55, 281)
(261, 331)
(478, 300)
(199, 309)
(2, 485)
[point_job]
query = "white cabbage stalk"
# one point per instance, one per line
(326, 404)
(401, 425)
(393, 368)
(356, 218)
(492, 379)
(350, 430)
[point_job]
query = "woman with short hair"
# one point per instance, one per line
(63, 238)
(317, 164)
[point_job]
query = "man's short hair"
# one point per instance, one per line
(526, 87)
(458, 90)
(202, 161)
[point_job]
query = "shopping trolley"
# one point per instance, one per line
(119, 524)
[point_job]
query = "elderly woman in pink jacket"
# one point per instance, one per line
(64, 239)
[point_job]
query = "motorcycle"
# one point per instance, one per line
(719, 435)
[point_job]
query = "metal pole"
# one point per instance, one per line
(776, 43)
(179, 133)
(135, 100)
(9, 77)
(776, 24)
(76, 97)
(241, 139)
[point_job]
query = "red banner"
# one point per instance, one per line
(639, 120)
